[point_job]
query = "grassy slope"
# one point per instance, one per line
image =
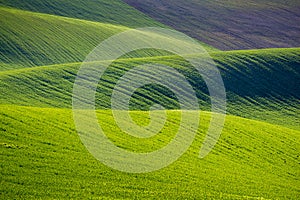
(29, 39)
(33, 39)
(44, 158)
(260, 84)
(112, 11)
(230, 24)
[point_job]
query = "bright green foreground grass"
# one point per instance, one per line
(43, 157)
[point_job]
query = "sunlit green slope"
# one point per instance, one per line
(34, 39)
(29, 39)
(44, 158)
(106, 11)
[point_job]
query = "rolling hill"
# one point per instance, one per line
(111, 12)
(35, 39)
(256, 81)
(231, 24)
(42, 157)
(32, 39)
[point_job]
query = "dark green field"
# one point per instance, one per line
(231, 24)
(42, 157)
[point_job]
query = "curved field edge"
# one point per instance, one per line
(260, 84)
(29, 39)
(111, 12)
(33, 39)
(44, 158)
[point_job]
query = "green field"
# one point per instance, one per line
(249, 93)
(36, 39)
(42, 157)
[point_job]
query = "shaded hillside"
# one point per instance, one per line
(258, 83)
(230, 24)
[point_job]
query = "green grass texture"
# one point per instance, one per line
(44, 158)
(34, 39)
(112, 12)
(260, 84)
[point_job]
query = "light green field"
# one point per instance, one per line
(44, 158)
